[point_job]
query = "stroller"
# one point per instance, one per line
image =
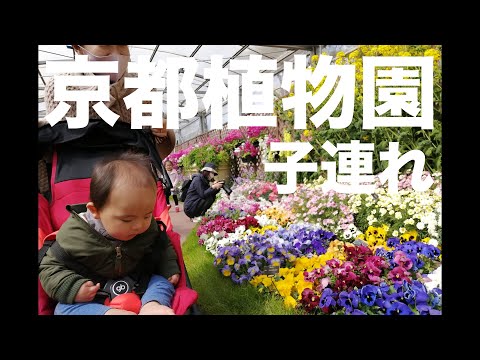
(75, 151)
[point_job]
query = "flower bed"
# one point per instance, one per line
(351, 264)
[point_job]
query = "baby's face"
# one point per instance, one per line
(168, 166)
(128, 211)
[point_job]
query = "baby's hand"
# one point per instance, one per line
(87, 292)
(174, 279)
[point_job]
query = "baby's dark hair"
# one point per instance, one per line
(126, 167)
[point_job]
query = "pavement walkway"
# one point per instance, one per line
(181, 223)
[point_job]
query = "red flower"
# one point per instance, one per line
(399, 274)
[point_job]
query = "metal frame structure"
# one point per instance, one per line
(201, 53)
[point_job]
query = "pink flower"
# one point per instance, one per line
(254, 131)
(399, 274)
(323, 283)
(402, 259)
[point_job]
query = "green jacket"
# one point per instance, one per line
(109, 259)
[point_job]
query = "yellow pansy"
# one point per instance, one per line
(302, 285)
(284, 271)
(267, 281)
(257, 280)
(284, 287)
(289, 302)
(301, 263)
(409, 235)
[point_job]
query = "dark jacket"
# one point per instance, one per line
(110, 259)
(198, 192)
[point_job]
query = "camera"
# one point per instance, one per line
(226, 188)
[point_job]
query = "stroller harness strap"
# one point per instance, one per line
(108, 286)
(41, 253)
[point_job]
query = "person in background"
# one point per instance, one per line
(201, 195)
(176, 180)
(164, 139)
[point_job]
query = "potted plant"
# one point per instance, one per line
(247, 151)
(193, 161)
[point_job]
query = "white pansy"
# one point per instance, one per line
(420, 225)
(352, 228)
(398, 215)
(436, 279)
(240, 229)
(395, 233)
(223, 243)
(433, 242)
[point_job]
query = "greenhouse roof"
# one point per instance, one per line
(201, 53)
